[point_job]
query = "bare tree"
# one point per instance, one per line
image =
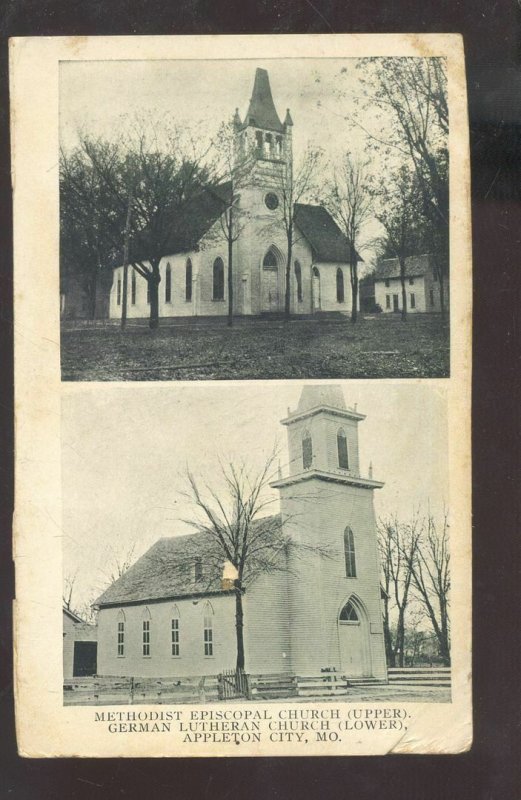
(118, 562)
(233, 165)
(430, 571)
(295, 185)
(149, 182)
(397, 543)
(350, 199)
(233, 529)
(69, 582)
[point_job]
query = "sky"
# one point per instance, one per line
(101, 98)
(125, 450)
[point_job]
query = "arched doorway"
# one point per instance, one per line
(315, 288)
(270, 288)
(353, 639)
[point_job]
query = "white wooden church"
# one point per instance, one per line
(193, 275)
(319, 614)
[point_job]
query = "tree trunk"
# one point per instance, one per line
(389, 651)
(126, 249)
(124, 295)
(354, 291)
(154, 280)
(287, 301)
(239, 626)
(230, 274)
(404, 293)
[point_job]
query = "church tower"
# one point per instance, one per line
(263, 164)
(327, 509)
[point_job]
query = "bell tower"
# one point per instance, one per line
(261, 139)
(327, 510)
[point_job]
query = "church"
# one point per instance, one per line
(171, 614)
(194, 268)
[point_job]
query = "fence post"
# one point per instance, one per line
(131, 691)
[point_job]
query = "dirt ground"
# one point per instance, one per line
(375, 347)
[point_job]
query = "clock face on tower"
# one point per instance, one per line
(272, 201)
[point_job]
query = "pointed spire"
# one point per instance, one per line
(237, 119)
(261, 111)
(370, 469)
(288, 121)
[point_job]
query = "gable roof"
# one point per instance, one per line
(72, 615)
(327, 241)
(261, 110)
(164, 572)
(414, 266)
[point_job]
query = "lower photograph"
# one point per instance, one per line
(284, 543)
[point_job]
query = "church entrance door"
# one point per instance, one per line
(353, 641)
(270, 290)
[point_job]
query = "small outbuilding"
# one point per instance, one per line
(80, 646)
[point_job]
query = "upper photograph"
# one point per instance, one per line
(232, 219)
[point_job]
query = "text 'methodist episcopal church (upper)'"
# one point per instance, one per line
(316, 614)
(194, 268)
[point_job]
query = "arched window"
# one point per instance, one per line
(168, 284)
(341, 443)
(298, 278)
(218, 279)
(339, 286)
(133, 288)
(121, 633)
(175, 640)
(307, 450)
(188, 281)
(208, 630)
(270, 260)
(146, 632)
(349, 613)
(349, 552)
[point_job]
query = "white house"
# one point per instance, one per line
(171, 615)
(79, 646)
(422, 285)
(194, 267)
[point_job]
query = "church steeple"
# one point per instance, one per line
(261, 111)
(261, 135)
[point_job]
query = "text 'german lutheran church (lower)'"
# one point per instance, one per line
(194, 268)
(316, 614)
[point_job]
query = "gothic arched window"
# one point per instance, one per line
(133, 288)
(218, 279)
(208, 630)
(168, 284)
(188, 280)
(307, 450)
(339, 286)
(341, 443)
(349, 613)
(349, 553)
(298, 278)
(270, 260)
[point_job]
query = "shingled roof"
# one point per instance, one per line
(327, 241)
(261, 111)
(415, 266)
(165, 571)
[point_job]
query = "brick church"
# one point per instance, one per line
(194, 270)
(317, 614)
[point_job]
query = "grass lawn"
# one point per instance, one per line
(379, 347)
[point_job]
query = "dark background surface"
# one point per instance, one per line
(492, 36)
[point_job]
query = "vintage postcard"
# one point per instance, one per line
(242, 368)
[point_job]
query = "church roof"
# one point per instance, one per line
(166, 571)
(261, 111)
(321, 395)
(327, 241)
(414, 266)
